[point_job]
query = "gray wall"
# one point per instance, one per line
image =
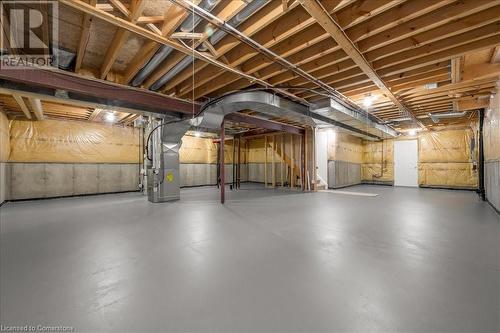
(256, 173)
(492, 183)
(341, 174)
(3, 182)
(45, 180)
(193, 174)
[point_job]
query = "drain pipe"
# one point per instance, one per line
(244, 14)
(165, 51)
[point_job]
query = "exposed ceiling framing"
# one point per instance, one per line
(394, 50)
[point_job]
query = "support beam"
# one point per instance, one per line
(103, 92)
(146, 33)
(36, 106)
(323, 18)
(22, 105)
(265, 160)
(121, 35)
(222, 165)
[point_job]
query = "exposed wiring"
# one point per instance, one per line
(154, 129)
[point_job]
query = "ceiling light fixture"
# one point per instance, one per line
(368, 100)
(110, 117)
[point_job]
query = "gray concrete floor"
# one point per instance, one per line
(416, 260)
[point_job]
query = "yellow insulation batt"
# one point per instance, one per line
(447, 175)
(445, 146)
(378, 161)
(257, 151)
(344, 147)
(72, 142)
(491, 130)
(445, 158)
(198, 150)
(4, 138)
(204, 150)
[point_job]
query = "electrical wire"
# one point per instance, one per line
(153, 130)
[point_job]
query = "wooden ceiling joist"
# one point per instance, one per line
(321, 16)
(20, 101)
(36, 106)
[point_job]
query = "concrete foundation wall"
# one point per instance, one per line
(45, 180)
(341, 174)
(3, 182)
(256, 173)
(492, 183)
(198, 174)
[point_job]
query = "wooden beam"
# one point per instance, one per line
(495, 56)
(36, 106)
(19, 100)
(172, 19)
(120, 37)
(317, 11)
(94, 114)
(456, 74)
(84, 38)
(121, 7)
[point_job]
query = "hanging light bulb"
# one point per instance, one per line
(412, 132)
(197, 134)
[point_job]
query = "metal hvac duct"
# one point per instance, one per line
(437, 116)
(164, 51)
(354, 117)
(163, 171)
(163, 183)
(352, 121)
(244, 14)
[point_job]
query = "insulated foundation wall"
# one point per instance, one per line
(448, 159)
(378, 162)
(47, 180)
(53, 158)
(492, 151)
(4, 155)
(345, 155)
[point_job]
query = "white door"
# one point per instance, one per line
(322, 154)
(405, 163)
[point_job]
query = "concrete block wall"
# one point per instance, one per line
(341, 174)
(46, 180)
(492, 183)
